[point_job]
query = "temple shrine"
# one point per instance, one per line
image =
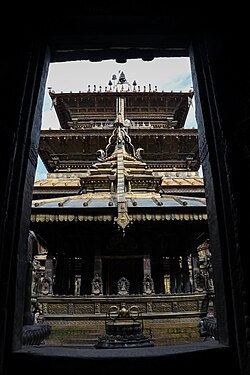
(121, 218)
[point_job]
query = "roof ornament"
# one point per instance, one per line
(122, 78)
(117, 144)
(101, 154)
(120, 83)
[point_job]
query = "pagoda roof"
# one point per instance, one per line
(65, 184)
(121, 183)
(75, 150)
(154, 120)
(78, 109)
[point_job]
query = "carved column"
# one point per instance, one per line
(47, 287)
(32, 243)
(65, 274)
(196, 270)
(178, 272)
(175, 276)
(58, 287)
(185, 274)
(146, 265)
(166, 269)
(148, 284)
(97, 284)
(98, 264)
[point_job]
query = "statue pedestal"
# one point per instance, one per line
(123, 334)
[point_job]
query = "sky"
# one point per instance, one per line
(168, 74)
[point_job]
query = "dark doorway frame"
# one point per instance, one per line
(20, 176)
(114, 268)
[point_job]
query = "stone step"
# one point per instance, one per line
(81, 342)
(160, 333)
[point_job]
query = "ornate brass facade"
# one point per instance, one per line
(127, 234)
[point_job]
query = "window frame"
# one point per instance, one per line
(212, 169)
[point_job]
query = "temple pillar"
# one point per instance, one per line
(58, 274)
(65, 274)
(178, 271)
(47, 283)
(196, 271)
(166, 269)
(175, 276)
(148, 284)
(98, 264)
(146, 265)
(32, 247)
(97, 283)
(72, 274)
(185, 274)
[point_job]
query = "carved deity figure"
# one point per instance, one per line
(46, 286)
(123, 286)
(199, 282)
(36, 278)
(97, 286)
(148, 285)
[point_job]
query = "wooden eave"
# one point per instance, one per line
(90, 106)
(68, 186)
(103, 207)
(62, 149)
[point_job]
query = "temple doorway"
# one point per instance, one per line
(127, 268)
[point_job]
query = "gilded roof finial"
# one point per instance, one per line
(120, 83)
(122, 78)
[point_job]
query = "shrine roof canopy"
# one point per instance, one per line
(103, 207)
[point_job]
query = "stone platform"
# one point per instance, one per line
(81, 321)
(123, 334)
(123, 330)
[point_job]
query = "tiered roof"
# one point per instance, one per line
(125, 168)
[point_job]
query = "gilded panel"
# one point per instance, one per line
(105, 307)
(76, 323)
(57, 308)
(81, 308)
(203, 305)
(162, 307)
(97, 308)
(141, 306)
(71, 308)
(188, 306)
